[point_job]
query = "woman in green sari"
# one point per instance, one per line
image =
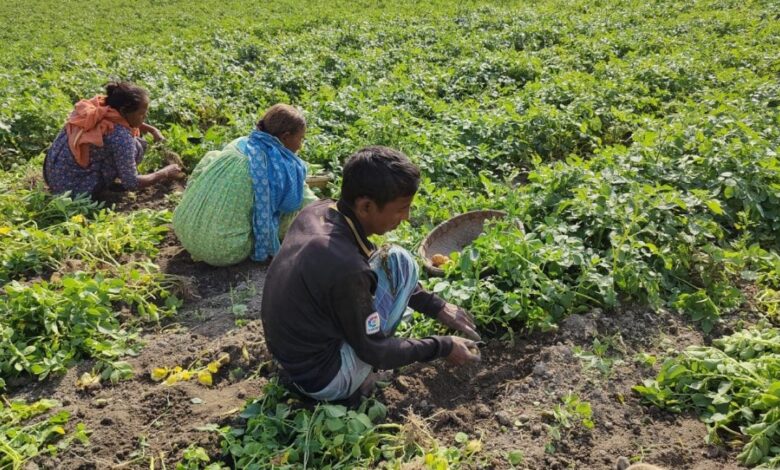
(240, 201)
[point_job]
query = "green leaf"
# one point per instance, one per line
(515, 457)
(750, 455)
(377, 412)
(334, 424)
(335, 411)
(714, 206)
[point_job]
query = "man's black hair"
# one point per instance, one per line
(380, 174)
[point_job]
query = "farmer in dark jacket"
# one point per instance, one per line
(332, 301)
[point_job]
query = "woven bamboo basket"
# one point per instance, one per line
(454, 235)
(318, 181)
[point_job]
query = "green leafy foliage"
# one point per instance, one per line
(196, 458)
(278, 435)
(278, 432)
(21, 440)
(464, 454)
(571, 413)
(45, 326)
(68, 268)
(734, 386)
(637, 160)
(605, 353)
(635, 143)
(515, 457)
(40, 233)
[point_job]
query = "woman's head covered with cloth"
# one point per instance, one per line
(123, 104)
(278, 174)
(286, 123)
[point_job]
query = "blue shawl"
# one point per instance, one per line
(278, 176)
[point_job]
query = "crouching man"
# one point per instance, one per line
(332, 301)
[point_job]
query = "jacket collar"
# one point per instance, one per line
(354, 224)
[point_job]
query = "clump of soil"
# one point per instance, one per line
(155, 197)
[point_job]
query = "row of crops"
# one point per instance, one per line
(633, 144)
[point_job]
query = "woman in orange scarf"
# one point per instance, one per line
(101, 142)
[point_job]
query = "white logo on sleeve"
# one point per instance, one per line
(372, 324)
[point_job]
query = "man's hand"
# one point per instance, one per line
(458, 319)
(463, 352)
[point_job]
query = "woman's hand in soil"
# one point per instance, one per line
(170, 172)
(166, 173)
(463, 352)
(458, 319)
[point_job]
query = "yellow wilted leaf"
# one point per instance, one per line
(473, 446)
(224, 359)
(173, 378)
(5, 230)
(185, 375)
(204, 377)
(77, 219)
(177, 369)
(159, 373)
(213, 367)
(58, 429)
(281, 459)
(245, 353)
(88, 380)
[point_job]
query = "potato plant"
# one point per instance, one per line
(734, 385)
(635, 143)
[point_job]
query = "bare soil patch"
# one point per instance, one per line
(153, 197)
(139, 419)
(507, 399)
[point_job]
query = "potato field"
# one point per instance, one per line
(629, 302)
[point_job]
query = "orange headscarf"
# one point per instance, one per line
(88, 123)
